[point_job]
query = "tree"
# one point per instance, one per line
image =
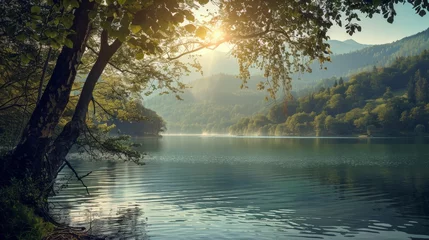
(388, 94)
(336, 103)
(421, 88)
(277, 114)
(319, 123)
(300, 123)
(411, 90)
(388, 116)
(341, 81)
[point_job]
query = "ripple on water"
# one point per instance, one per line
(290, 191)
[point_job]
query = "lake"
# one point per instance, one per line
(223, 187)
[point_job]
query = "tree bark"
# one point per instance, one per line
(42, 78)
(68, 137)
(28, 156)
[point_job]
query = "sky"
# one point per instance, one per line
(376, 30)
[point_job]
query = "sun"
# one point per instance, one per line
(217, 35)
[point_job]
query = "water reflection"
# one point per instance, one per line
(240, 188)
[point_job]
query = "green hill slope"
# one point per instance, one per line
(387, 101)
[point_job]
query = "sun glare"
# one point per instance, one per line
(217, 35)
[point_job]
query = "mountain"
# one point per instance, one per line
(212, 104)
(364, 59)
(347, 46)
(216, 102)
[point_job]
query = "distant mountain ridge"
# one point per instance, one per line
(346, 46)
(213, 103)
(364, 59)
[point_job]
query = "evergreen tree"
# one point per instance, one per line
(335, 83)
(341, 81)
(411, 91)
(388, 94)
(421, 88)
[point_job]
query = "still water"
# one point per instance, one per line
(199, 187)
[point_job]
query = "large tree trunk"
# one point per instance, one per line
(68, 137)
(42, 78)
(28, 156)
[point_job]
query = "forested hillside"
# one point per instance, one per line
(362, 60)
(212, 104)
(384, 101)
(215, 103)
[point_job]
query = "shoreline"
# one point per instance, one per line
(289, 136)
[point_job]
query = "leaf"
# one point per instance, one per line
(68, 43)
(179, 17)
(74, 3)
(29, 56)
(92, 14)
(51, 34)
(190, 28)
(122, 2)
(21, 37)
(201, 32)
(139, 55)
(35, 9)
(135, 28)
(25, 60)
(202, 2)
(67, 21)
(189, 16)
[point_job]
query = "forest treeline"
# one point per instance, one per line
(384, 101)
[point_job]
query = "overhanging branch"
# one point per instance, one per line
(77, 175)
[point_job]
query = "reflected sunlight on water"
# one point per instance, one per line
(196, 187)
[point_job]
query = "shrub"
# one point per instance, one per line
(18, 220)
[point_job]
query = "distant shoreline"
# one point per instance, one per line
(258, 136)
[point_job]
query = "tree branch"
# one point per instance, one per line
(77, 175)
(102, 108)
(112, 64)
(216, 44)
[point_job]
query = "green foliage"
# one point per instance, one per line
(18, 220)
(367, 103)
(145, 122)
